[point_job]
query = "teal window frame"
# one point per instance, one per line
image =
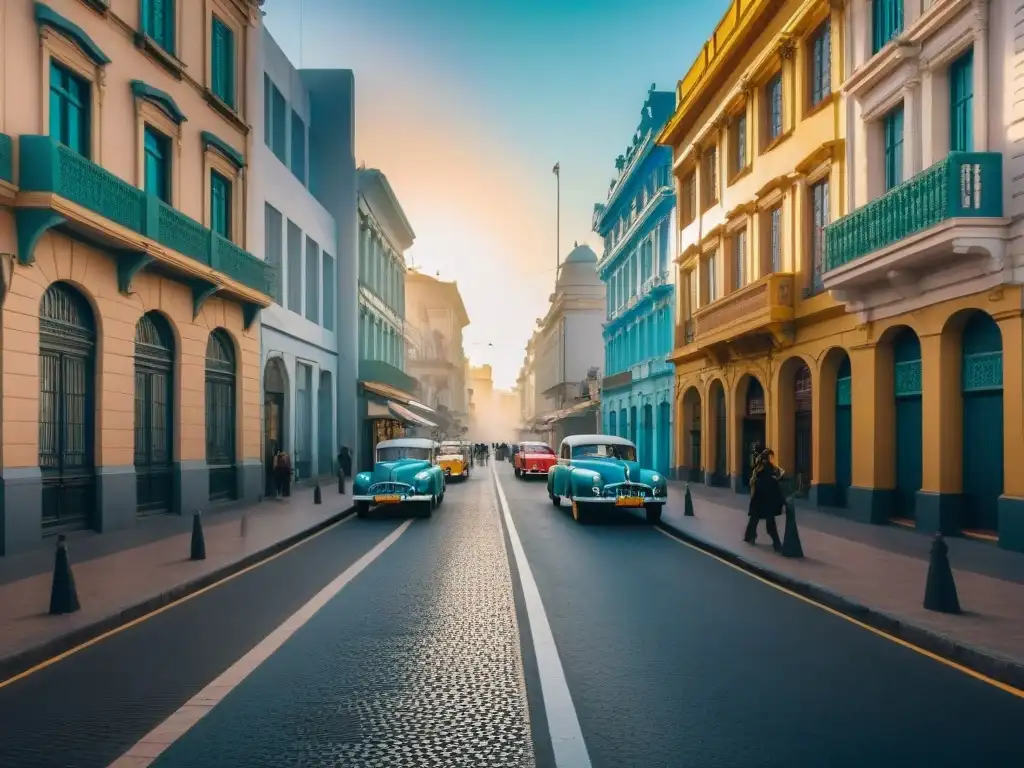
(222, 61)
(961, 103)
(220, 204)
(775, 118)
(821, 64)
(70, 109)
(158, 22)
(892, 129)
(157, 155)
(886, 22)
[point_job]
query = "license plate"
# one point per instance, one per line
(391, 498)
(629, 501)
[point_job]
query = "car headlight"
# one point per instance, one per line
(422, 475)
(596, 490)
(655, 478)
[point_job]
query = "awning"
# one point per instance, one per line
(404, 414)
(391, 393)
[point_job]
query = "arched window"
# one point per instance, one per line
(154, 408)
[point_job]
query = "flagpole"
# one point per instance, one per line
(558, 216)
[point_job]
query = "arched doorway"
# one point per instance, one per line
(802, 428)
(647, 437)
(632, 424)
(302, 460)
(67, 348)
(844, 431)
(719, 454)
(325, 422)
(623, 425)
(691, 436)
(982, 379)
(220, 415)
(754, 412)
(275, 395)
(906, 353)
(664, 459)
(154, 414)
(612, 423)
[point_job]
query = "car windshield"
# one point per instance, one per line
(451, 448)
(396, 452)
(604, 451)
(538, 448)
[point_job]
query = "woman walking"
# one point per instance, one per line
(282, 473)
(766, 499)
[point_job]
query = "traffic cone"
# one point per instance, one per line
(791, 538)
(63, 594)
(688, 503)
(198, 542)
(940, 590)
(317, 497)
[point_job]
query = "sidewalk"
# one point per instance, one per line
(125, 574)
(877, 575)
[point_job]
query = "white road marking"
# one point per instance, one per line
(563, 724)
(174, 727)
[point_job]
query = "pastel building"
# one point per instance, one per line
(130, 296)
(304, 235)
(637, 224)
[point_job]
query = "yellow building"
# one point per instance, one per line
(130, 334)
(903, 402)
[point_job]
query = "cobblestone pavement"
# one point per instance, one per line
(415, 663)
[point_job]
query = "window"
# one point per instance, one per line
(274, 231)
(773, 96)
(961, 102)
(739, 259)
(711, 267)
(775, 238)
(886, 22)
(821, 64)
(820, 218)
(689, 198)
(158, 22)
(328, 283)
(294, 268)
(69, 109)
(738, 139)
(709, 182)
(157, 148)
(692, 282)
(220, 205)
(274, 114)
(222, 62)
(312, 283)
(298, 147)
(892, 126)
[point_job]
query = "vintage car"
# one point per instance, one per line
(595, 472)
(405, 472)
(534, 459)
(455, 459)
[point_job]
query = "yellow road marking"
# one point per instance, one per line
(899, 641)
(161, 609)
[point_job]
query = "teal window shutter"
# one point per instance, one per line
(69, 109)
(961, 103)
(223, 62)
(886, 22)
(158, 160)
(158, 22)
(220, 205)
(893, 128)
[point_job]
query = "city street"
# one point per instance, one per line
(424, 643)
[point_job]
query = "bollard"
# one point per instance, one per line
(791, 538)
(63, 593)
(688, 505)
(317, 497)
(243, 527)
(198, 541)
(940, 589)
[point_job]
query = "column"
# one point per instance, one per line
(938, 501)
(797, 207)
(980, 67)
(911, 129)
(869, 498)
(1011, 503)
(928, 107)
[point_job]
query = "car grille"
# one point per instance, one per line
(388, 489)
(627, 489)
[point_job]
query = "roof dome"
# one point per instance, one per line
(581, 254)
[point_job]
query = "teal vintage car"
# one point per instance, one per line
(406, 473)
(596, 472)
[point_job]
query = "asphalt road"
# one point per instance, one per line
(425, 658)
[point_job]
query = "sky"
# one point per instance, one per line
(466, 106)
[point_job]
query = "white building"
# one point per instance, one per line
(302, 203)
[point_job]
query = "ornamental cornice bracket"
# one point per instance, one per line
(786, 47)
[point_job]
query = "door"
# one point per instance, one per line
(844, 433)
(753, 429)
(906, 350)
(273, 431)
(67, 342)
(220, 416)
(982, 382)
(695, 460)
(721, 428)
(325, 422)
(803, 435)
(154, 398)
(647, 437)
(664, 438)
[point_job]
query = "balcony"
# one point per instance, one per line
(385, 373)
(946, 220)
(757, 317)
(59, 187)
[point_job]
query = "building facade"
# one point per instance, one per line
(300, 239)
(130, 297)
(637, 224)
(926, 382)
(760, 167)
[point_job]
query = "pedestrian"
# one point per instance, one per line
(345, 461)
(766, 499)
(281, 473)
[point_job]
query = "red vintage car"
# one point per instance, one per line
(534, 459)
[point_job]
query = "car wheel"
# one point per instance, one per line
(440, 498)
(362, 509)
(579, 512)
(518, 473)
(425, 509)
(556, 501)
(653, 513)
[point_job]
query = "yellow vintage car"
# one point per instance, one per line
(455, 459)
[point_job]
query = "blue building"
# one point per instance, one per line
(637, 223)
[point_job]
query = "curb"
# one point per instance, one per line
(1000, 668)
(21, 661)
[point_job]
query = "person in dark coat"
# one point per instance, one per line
(345, 461)
(766, 499)
(282, 473)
